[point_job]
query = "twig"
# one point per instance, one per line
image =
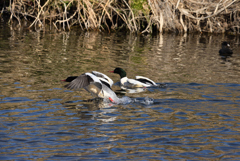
(39, 13)
(149, 24)
(135, 27)
(185, 12)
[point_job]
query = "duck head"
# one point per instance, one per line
(119, 71)
(225, 44)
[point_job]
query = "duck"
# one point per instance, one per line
(139, 82)
(96, 83)
(225, 51)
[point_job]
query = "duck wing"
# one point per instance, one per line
(80, 82)
(106, 84)
(103, 78)
(145, 80)
(70, 78)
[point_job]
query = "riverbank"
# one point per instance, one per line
(140, 16)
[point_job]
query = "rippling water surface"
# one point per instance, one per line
(195, 116)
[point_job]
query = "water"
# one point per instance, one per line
(194, 116)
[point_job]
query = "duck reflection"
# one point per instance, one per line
(225, 52)
(98, 104)
(94, 109)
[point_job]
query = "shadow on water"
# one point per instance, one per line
(194, 117)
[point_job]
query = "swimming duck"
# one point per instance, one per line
(140, 81)
(225, 51)
(98, 85)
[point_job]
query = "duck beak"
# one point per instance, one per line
(111, 71)
(111, 100)
(64, 80)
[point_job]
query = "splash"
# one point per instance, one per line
(127, 100)
(123, 100)
(145, 101)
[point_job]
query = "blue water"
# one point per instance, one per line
(194, 115)
(170, 128)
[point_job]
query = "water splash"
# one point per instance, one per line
(123, 100)
(145, 101)
(127, 100)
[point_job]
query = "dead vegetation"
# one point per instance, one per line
(142, 16)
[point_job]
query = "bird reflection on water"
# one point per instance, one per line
(98, 109)
(90, 104)
(92, 109)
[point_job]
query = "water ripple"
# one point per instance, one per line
(192, 115)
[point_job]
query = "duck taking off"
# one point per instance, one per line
(140, 81)
(102, 77)
(98, 84)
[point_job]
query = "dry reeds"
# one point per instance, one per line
(143, 16)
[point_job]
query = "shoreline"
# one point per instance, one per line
(141, 17)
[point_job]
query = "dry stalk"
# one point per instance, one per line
(133, 19)
(39, 13)
(12, 10)
(92, 18)
(147, 28)
(104, 11)
(167, 15)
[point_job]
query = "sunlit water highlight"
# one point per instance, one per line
(194, 116)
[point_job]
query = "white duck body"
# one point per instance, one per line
(140, 81)
(108, 94)
(92, 84)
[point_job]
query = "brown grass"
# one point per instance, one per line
(215, 16)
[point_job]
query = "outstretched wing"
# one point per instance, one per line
(104, 78)
(80, 82)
